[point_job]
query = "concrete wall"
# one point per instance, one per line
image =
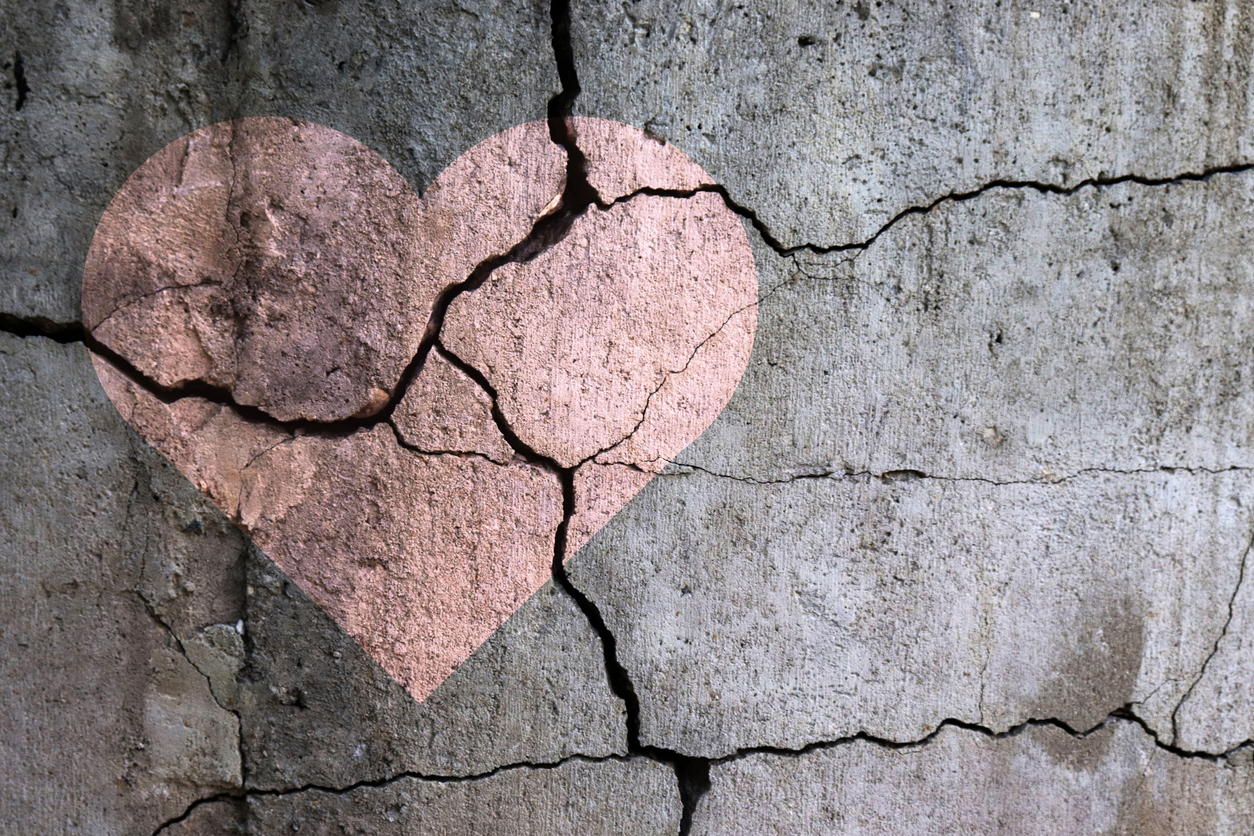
(967, 551)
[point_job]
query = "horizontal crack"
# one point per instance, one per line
(960, 197)
(1122, 714)
(904, 475)
(378, 783)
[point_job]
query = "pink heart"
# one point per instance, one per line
(258, 293)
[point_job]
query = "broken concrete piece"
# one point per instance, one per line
(829, 119)
(445, 411)
(1038, 780)
(622, 798)
(576, 341)
(111, 729)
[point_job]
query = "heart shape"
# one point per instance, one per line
(415, 406)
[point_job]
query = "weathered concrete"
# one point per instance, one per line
(939, 489)
(612, 797)
(109, 84)
(827, 119)
(1041, 780)
(318, 711)
(109, 566)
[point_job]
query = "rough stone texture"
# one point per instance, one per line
(1041, 780)
(215, 818)
(828, 119)
(995, 486)
(109, 84)
(111, 729)
(611, 797)
(319, 711)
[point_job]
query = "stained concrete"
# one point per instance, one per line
(112, 729)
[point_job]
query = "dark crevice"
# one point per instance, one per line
(236, 29)
(41, 326)
(960, 197)
(1121, 714)
(826, 472)
(19, 79)
(377, 783)
(692, 774)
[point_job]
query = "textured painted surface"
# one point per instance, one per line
(994, 387)
(292, 275)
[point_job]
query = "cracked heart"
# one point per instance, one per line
(418, 407)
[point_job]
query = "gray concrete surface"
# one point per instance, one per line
(1039, 780)
(110, 727)
(992, 466)
(829, 118)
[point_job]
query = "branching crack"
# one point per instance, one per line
(1214, 651)
(1122, 714)
(960, 197)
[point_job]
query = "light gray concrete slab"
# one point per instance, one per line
(1041, 780)
(828, 119)
(995, 468)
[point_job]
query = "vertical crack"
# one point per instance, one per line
(1175, 714)
(19, 79)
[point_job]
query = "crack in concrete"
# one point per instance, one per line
(379, 783)
(1122, 714)
(960, 197)
(905, 475)
(1175, 725)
